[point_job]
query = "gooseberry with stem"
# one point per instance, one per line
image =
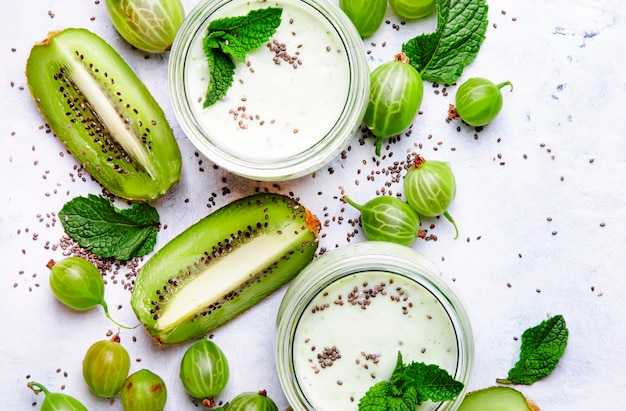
(430, 187)
(478, 101)
(105, 367)
(78, 284)
(56, 401)
(204, 371)
(396, 91)
(387, 218)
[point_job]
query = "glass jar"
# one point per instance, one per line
(294, 104)
(333, 344)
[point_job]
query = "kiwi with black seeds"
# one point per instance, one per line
(223, 265)
(104, 114)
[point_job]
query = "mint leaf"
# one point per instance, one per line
(221, 73)
(232, 38)
(441, 56)
(238, 35)
(409, 386)
(542, 348)
(432, 383)
(99, 227)
(381, 397)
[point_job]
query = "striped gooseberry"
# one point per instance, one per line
(250, 401)
(56, 401)
(396, 92)
(105, 367)
(78, 284)
(149, 25)
(412, 9)
(478, 101)
(387, 218)
(144, 391)
(366, 15)
(430, 187)
(204, 371)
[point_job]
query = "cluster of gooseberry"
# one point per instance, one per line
(78, 284)
(429, 188)
(396, 88)
(367, 15)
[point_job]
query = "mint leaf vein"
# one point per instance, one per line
(99, 227)
(232, 38)
(441, 56)
(542, 348)
(409, 386)
(221, 73)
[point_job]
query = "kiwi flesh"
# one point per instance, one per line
(497, 398)
(222, 265)
(104, 114)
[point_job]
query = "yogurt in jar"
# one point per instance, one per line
(349, 336)
(288, 94)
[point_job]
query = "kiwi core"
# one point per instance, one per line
(223, 275)
(104, 108)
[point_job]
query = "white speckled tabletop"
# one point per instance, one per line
(540, 207)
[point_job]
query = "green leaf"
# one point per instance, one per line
(99, 227)
(232, 38)
(380, 397)
(238, 35)
(542, 348)
(432, 383)
(409, 386)
(221, 73)
(441, 56)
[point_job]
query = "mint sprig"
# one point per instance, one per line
(232, 38)
(442, 55)
(542, 348)
(409, 386)
(101, 228)
(221, 73)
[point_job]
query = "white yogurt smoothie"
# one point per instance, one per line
(349, 336)
(288, 94)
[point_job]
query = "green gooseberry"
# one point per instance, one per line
(412, 9)
(430, 187)
(396, 91)
(250, 401)
(78, 284)
(204, 371)
(478, 100)
(366, 15)
(56, 401)
(105, 367)
(144, 391)
(387, 218)
(149, 25)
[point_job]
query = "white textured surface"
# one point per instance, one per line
(566, 61)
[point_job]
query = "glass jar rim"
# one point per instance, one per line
(307, 161)
(359, 258)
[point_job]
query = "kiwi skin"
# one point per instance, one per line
(223, 265)
(103, 114)
(497, 398)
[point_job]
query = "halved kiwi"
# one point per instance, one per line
(223, 265)
(497, 398)
(103, 113)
